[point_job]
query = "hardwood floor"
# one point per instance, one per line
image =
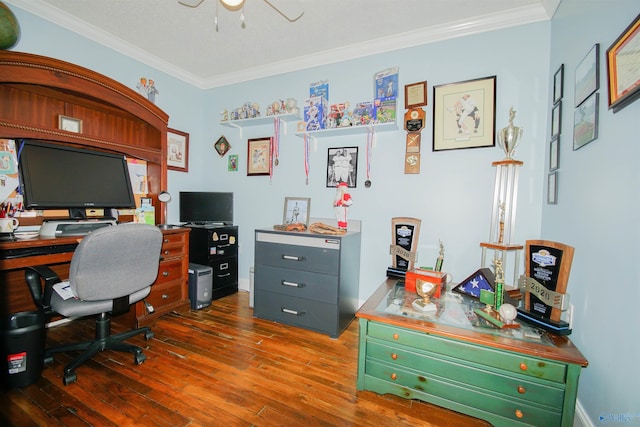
(216, 367)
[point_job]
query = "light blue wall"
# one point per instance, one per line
(597, 213)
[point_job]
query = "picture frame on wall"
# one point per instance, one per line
(177, 150)
(587, 75)
(296, 210)
(259, 156)
(624, 74)
(585, 122)
(415, 95)
(558, 84)
(464, 114)
(556, 119)
(554, 153)
(222, 146)
(342, 166)
(552, 188)
(69, 124)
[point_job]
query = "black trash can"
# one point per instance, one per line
(22, 339)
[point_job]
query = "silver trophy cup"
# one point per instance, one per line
(509, 137)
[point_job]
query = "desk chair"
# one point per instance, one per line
(111, 269)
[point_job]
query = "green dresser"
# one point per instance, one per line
(512, 377)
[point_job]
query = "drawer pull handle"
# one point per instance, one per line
(165, 296)
(224, 275)
(166, 240)
(394, 376)
(394, 356)
(396, 336)
(165, 273)
(294, 258)
(519, 413)
(167, 252)
(293, 284)
(521, 389)
(523, 366)
(294, 312)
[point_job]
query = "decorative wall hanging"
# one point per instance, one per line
(177, 150)
(222, 146)
(464, 114)
(624, 75)
(558, 84)
(233, 163)
(259, 156)
(585, 122)
(342, 166)
(587, 75)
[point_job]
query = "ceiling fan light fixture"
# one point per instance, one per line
(232, 4)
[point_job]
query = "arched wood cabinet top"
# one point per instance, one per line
(36, 90)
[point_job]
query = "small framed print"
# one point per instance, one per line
(342, 166)
(587, 75)
(552, 188)
(222, 146)
(558, 79)
(623, 65)
(413, 142)
(233, 163)
(415, 95)
(296, 210)
(177, 150)
(69, 124)
(259, 156)
(556, 119)
(554, 154)
(585, 122)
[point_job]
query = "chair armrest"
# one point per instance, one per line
(33, 276)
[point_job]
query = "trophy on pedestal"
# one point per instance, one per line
(509, 137)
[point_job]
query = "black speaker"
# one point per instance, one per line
(200, 284)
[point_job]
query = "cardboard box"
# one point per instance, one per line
(437, 277)
(385, 109)
(363, 114)
(315, 113)
(386, 83)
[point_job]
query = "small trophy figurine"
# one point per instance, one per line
(440, 259)
(499, 285)
(425, 290)
(510, 136)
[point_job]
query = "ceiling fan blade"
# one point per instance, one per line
(190, 3)
(291, 10)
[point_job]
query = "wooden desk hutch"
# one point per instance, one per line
(34, 92)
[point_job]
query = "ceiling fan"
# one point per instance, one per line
(291, 11)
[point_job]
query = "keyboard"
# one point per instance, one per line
(37, 250)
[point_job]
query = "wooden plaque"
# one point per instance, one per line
(549, 263)
(405, 232)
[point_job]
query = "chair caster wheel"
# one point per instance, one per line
(139, 358)
(69, 378)
(148, 335)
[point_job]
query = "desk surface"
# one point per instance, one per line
(390, 304)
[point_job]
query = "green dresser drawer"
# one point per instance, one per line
(466, 372)
(512, 362)
(415, 385)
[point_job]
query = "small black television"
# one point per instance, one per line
(205, 207)
(55, 176)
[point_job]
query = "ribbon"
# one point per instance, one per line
(276, 139)
(371, 136)
(306, 157)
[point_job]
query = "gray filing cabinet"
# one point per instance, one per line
(307, 280)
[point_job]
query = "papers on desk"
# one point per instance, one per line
(64, 290)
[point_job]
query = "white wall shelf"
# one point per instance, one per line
(349, 130)
(261, 121)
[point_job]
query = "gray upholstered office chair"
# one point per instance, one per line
(112, 268)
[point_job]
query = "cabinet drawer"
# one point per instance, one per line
(314, 315)
(173, 245)
(433, 388)
(512, 362)
(296, 283)
(427, 363)
(170, 270)
(165, 295)
(225, 271)
(306, 258)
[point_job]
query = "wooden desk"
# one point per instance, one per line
(170, 291)
(452, 360)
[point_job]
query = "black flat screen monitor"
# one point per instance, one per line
(54, 176)
(202, 207)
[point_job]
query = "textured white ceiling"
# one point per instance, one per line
(183, 41)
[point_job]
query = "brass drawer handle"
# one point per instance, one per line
(519, 413)
(523, 366)
(396, 336)
(521, 389)
(394, 376)
(394, 356)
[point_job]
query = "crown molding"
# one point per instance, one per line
(483, 23)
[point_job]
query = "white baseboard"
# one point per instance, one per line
(581, 418)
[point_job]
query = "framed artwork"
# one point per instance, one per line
(296, 210)
(556, 119)
(415, 95)
(69, 124)
(554, 153)
(585, 122)
(342, 166)
(259, 156)
(222, 146)
(623, 65)
(558, 83)
(587, 75)
(552, 188)
(464, 114)
(233, 163)
(177, 150)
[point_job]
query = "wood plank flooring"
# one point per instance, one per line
(216, 367)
